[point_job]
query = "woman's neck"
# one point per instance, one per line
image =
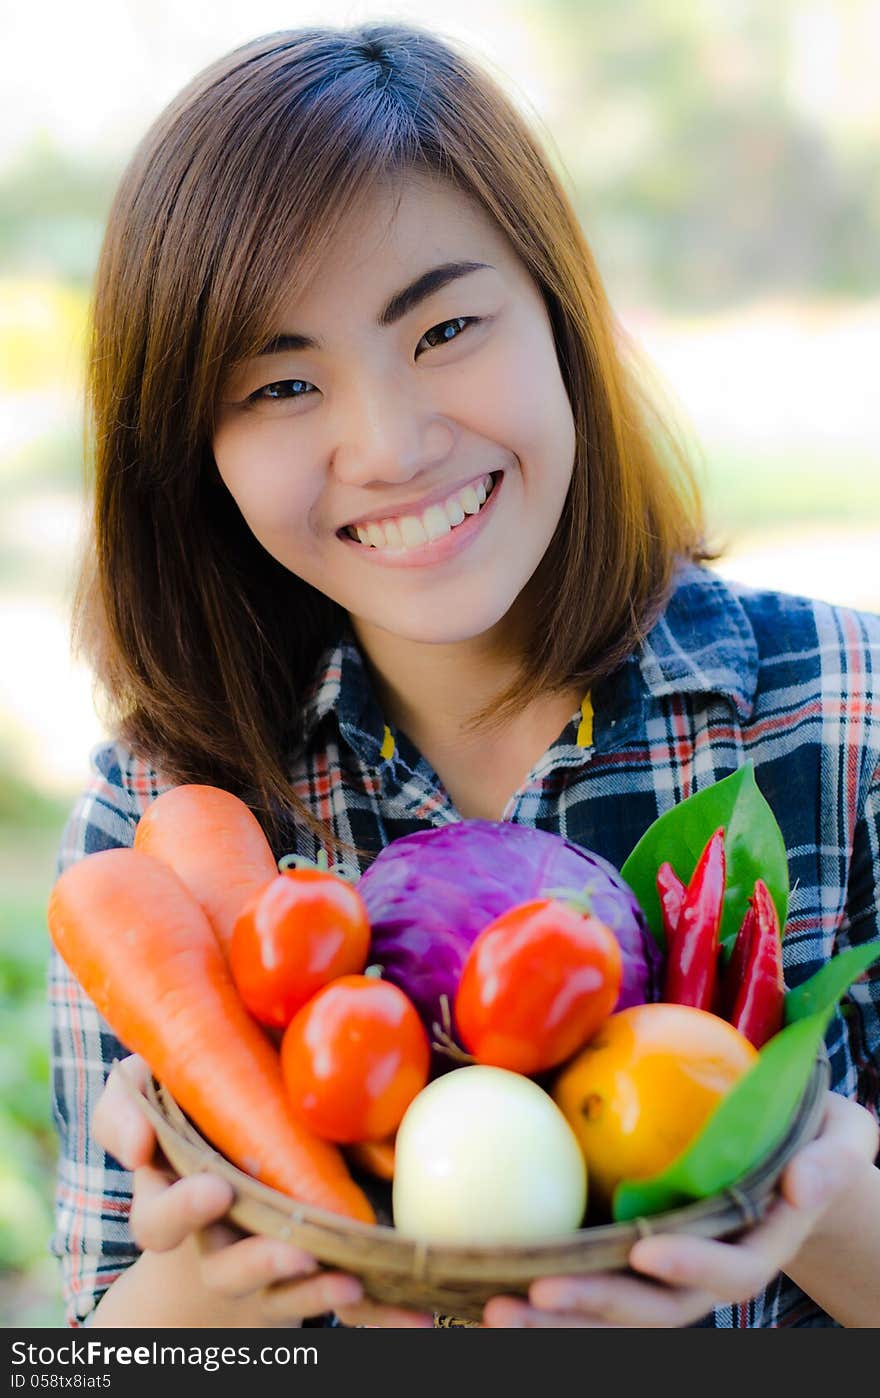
(430, 692)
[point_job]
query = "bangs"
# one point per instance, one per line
(290, 162)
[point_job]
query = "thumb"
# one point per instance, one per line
(846, 1144)
(117, 1123)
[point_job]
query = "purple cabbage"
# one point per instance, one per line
(431, 893)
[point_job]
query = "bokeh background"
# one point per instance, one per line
(723, 158)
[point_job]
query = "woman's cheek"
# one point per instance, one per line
(258, 471)
(522, 402)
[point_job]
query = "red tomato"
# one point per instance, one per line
(304, 928)
(537, 983)
(353, 1059)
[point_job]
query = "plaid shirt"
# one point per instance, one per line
(726, 675)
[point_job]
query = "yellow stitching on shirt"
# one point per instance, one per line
(387, 749)
(585, 730)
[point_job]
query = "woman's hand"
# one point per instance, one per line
(685, 1276)
(268, 1280)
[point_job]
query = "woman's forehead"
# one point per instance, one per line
(398, 231)
(399, 227)
(406, 216)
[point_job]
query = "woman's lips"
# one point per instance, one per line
(434, 550)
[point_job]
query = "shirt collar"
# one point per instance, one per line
(702, 643)
(342, 686)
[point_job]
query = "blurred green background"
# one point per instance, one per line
(722, 157)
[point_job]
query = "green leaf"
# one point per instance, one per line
(755, 1115)
(825, 988)
(753, 842)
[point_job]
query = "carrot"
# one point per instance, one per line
(144, 951)
(377, 1157)
(214, 843)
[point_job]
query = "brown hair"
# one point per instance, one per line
(202, 642)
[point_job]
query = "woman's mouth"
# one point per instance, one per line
(436, 534)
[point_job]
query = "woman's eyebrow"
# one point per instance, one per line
(399, 305)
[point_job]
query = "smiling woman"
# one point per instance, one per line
(327, 301)
(385, 537)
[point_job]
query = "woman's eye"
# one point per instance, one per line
(447, 330)
(281, 389)
(285, 390)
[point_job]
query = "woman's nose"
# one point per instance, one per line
(387, 437)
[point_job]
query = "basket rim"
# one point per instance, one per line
(740, 1205)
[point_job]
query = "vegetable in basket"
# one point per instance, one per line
(430, 894)
(639, 1092)
(721, 954)
(302, 929)
(142, 948)
(215, 845)
(753, 988)
(536, 984)
(484, 1156)
(691, 922)
(374, 1157)
(751, 993)
(353, 1059)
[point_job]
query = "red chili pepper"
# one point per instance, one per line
(734, 972)
(759, 1006)
(692, 954)
(671, 891)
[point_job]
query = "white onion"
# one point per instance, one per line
(485, 1156)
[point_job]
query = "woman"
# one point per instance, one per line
(385, 536)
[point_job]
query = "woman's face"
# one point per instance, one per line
(388, 424)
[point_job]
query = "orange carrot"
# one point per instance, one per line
(214, 843)
(144, 951)
(377, 1157)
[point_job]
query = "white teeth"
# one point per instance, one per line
(392, 533)
(469, 500)
(435, 521)
(412, 531)
(454, 512)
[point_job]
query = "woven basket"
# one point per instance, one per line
(455, 1282)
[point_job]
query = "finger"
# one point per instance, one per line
(164, 1211)
(374, 1314)
(729, 1272)
(510, 1313)
(619, 1299)
(235, 1266)
(210, 1239)
(733, 1272)
(117, 1125)
(325, 1291)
